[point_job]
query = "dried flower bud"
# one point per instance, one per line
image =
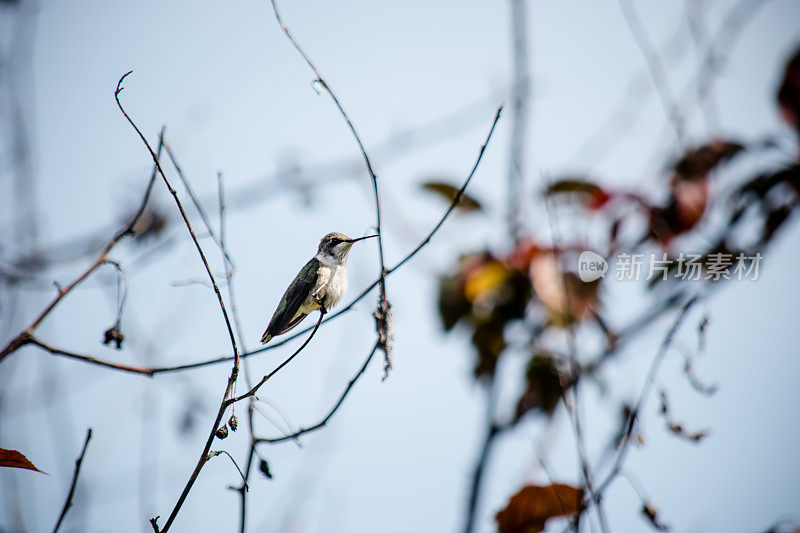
(222, 432)
(233, 422)
(113, 334)
(264, 467)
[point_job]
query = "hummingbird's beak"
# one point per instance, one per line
(361, 238)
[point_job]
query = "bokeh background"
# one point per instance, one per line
(421, 81)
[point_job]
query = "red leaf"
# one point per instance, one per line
(14, 459)
(529, 509)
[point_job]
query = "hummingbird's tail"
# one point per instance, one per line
(265, 338)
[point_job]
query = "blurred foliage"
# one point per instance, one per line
(729, 211)
(450, 192)
(530, 508)
(486, 294)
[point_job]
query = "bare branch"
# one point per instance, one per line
(258, 385)
(368, 289)
(71, 493)
(655, 67)
(631, 423)
(21, 339)
(235, 370)
(324, 421)
(350, 125)
(30, 339)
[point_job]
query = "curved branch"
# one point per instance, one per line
(204, 456)
(258, 385)
(366, 291)
(337, 405)
(350, 125)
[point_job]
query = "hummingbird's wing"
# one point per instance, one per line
(284, 318)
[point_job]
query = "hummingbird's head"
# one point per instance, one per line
(337, 245)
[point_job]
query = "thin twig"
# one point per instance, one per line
(648, 382)
(30, 339)
(229, 271)
(24, 337)
(235, 370)
(492, 431)
(330, 414)
(372, 285)
(374, 179)
(248, 353)
(519, 119)
(71, 493)
(653, 61)
(572, 407)
(286, 361)
(213, 454)
(218, 240)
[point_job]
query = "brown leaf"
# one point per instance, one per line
(450, 192)
(14, 459)
(529, 509)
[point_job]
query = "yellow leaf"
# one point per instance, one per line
(484, 279)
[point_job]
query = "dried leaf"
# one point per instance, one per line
(14, 459)
(385, 330)
(529, 509)
(150, 224)
(264, 467)
(489, 341)
(450, 192)
(675, 427)
(113, 334)
(543, 389)
(789, 92)
(652, 516)
(453, 306)
(695, 164)
(580, 189)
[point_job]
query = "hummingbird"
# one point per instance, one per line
(320, 284)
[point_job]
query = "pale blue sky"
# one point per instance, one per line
(237, 98)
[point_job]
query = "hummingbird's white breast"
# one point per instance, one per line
(331, 281)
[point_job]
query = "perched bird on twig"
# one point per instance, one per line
(320, 284)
